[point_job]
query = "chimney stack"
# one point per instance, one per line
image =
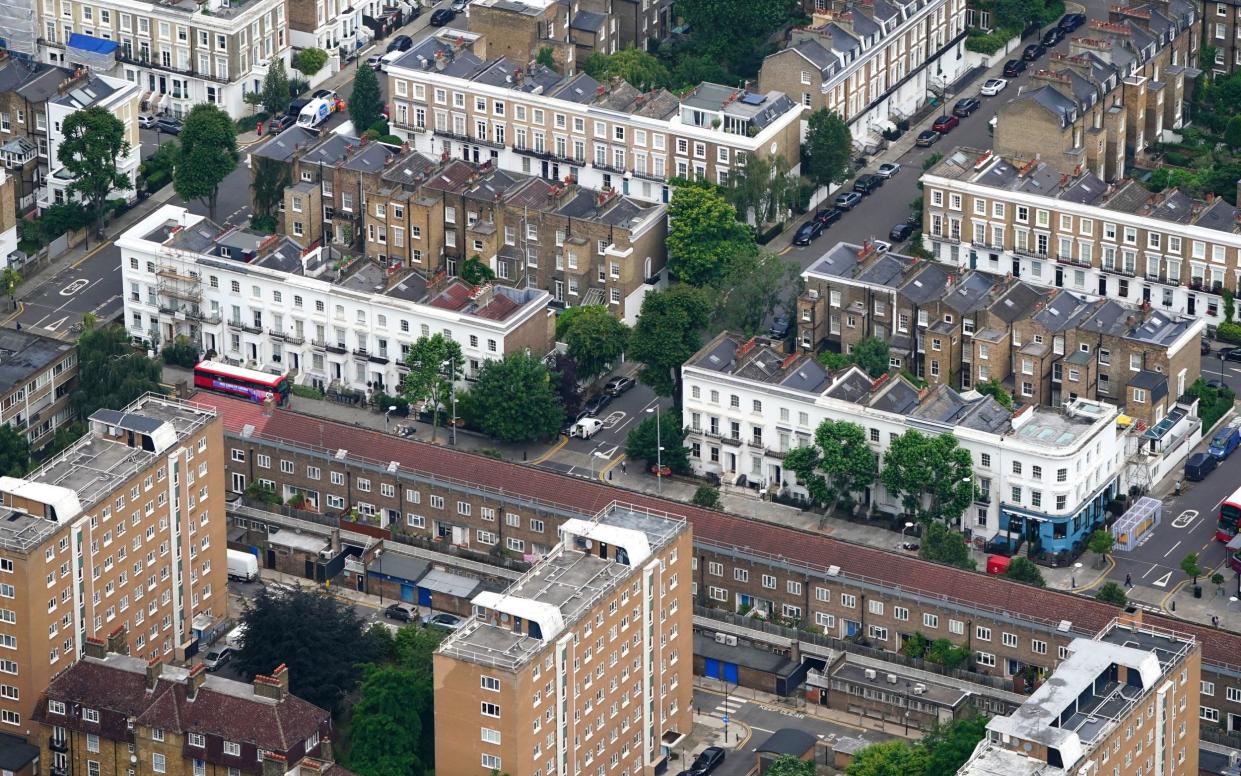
(94, 647)
(154, 669)
(117, 643)
(198, 675)
(275, 686)
(274, 764)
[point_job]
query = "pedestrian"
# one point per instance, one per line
(624, 469)
(1178, 486)
(1128, 580)
(1214, 621)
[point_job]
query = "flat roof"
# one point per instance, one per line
(23, 353)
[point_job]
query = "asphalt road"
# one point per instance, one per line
(588, 457)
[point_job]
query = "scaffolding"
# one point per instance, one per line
(18, 27)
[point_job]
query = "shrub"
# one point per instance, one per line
(706, 497)
(307, 392)
(1228, 332)
(989, 42)
(389, 140)
(309, 61)
(181, 352)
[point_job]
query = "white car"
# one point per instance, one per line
(888, 169)
(586, 428)
(992, 87)
(146, 121)
(881, 246)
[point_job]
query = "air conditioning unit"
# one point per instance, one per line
(720, 638)
(870, 673)
(891, 678)
(730, 640)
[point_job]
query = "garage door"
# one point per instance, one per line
(711, 668)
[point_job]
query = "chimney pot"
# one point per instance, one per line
(154, 669)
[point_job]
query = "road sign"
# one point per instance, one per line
(725, 718)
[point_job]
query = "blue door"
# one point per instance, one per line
(424, 596)
(407, 593)
(711, 668)
(730, 672)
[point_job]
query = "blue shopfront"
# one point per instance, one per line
(1060, 537)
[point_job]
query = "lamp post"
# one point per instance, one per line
(593, 455)
(1221, 367)
(388, 414)
(908, 524)
(659, 461)
(1073, 579)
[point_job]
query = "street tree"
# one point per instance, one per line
(1025, 570)
(10, 279)
(595, 338)
(1232, 134)
(751, 290)
(14, 452)
(435, 364)
(788, 765)
(837, 465)
(944, 545)
(208, 155)
(932, 475)
(704, 235)
(1190, 565)
(516, 400)
(275, 94)
(888, 758)
(309, 61)
(271, 177)
(667, 333)
(827, 153)
(94, 140)
(873, 355)
(950, 746)
(643, 442)
(365, 101)
(995, 389)
(641, 70)
(707, 497)
(1112, 593)
(1101, 543)
(320, 638)
(111, 374)
(564, 372)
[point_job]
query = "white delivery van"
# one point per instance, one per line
(236, 637)
(586, 428)
(243, 566)
(386, 60)
(315, 113)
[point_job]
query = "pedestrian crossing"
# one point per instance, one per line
(728, 706)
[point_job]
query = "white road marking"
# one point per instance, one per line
(1172, 549)
(613, 418)
(1163, 581)
(56, 324)
(74, 287)
(1185, 519)
(1149, 570)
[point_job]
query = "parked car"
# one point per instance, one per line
(374, 62)
(992, 87)
(145, 120)
(927, 138)
(780, 327)
(443, 16)
(1225, 441)
(169, 124)
(1232, 354)
(901, 232)
(707, 761)
(401, 43)
(1204, 347)
(1199, 466)
(887, 170)
(399, 612)
(596, 404)
(278, 124)
(1033, 51)
(808, 232)
(459, 5)
(965, 107)
(945, 124)
(865, 184)
(1014, 68)
(618, 385)
(848, 200)
(325, 94)
(217, 657)
(443, 621)
(1052, 37)
(828, 217)
(1071, 21)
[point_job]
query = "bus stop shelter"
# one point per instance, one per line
(1134, 525)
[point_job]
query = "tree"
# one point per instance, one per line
(704, 236)
(111, 374)
(515, 399)
(435, 364)
(788, 765)
(706, 497)
(763, 188)
(475, 272)
(94, 140)
(1112, 593)
(595, 338)
(950, 746)
(365, 101)
(547, 58)
(995, 389)
(666, 335)
(14, 452)
(643, 442)
(386, 730)
(751, 290)
(915, 645)
(933, 476)
(10, 279)
(320, 638)
(158, 168)
(827, 154)
(838, 464)
(1025, 570)
(728, 29)
(309, 61)
(182, 352)
(947, 654)
(275, 94)
(1189, 564)
(1101, 543)
(872, 354)
(944, 545)
(1232, 135)
(889, 758)
(271, 177)
(564, 370)
(208, 154)
(642, 70)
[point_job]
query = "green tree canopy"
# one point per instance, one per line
(947, 654)
(704, 235)
(547, 58)
(643, 71)
(365, 101)
(386, 730)
(838, 463)
(1112, 593)
(788, 765)
(208, 154)
(94, 140)
(14, 452)
(728, 29)
(751, 290)
(1190, 565)
(873, 355)
(949, 746)
(475, 272)
(764, 188)
(564, 372)
(643, 442)
(706, 496)
(111, 374)
(309, 61)
(944, 545)
(827, 153)
(995, 389)
(890, 758)
(321, 639)
(595, 338)
(275, 94)
(269, 180)
(932, 475)
(516, 399)
(1101, 542)
(667, 333)
(1025, 570)
(435, 364)
(10, 279)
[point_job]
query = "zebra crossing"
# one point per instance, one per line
(728, 706)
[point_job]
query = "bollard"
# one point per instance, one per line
(523, 455)
(1174, 604)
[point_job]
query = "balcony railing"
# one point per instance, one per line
(1112, 269)
(292, 339)
(1064, 258)
(776, 453)
(172, 289)
(243, 326)
(131, 59)
(734, 441)
(982, 497)
(205, 317)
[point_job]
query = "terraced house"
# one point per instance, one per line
(834, 587)
(1163, 252)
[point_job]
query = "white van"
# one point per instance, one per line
(315, 113)
(242, 566)
(586, 428)
(387, 59)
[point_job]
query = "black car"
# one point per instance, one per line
(828, 217)
(279, 124)
(808, 232)
(1231, 354)
(398, 612)
(780, 327)
(965, 107)
(866, 184)
(596, 404)
(618, 385)
(169, 124)
(1070, 22)
(1014, 68)
(710, 759)
(443, 16)
(1033, 52)
(901, 232)
(1053, 36)
(1199, 466)
(401, 43)
(1204, 347)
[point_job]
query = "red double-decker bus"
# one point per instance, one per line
(1229, 514)
(248, 384)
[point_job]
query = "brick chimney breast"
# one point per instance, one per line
(154, 669)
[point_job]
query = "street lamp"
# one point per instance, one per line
(593, 455)
(391, 409)
(1221, 367)
(908, 524)
(1073, 579)
(659, 451)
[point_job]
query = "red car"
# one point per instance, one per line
(945, 123)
